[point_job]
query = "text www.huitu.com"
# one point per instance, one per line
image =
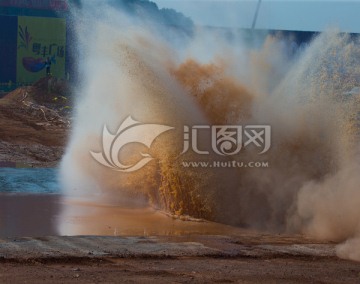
(224, 164)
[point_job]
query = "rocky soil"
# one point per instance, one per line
(34, 122)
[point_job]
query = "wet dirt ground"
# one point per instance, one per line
(111, 244)
(195, 259)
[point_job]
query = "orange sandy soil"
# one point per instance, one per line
(37, 138)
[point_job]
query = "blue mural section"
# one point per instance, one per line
(8, 51)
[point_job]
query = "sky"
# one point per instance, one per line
(303, 15)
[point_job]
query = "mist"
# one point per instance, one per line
(188, 75)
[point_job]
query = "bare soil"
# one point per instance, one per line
(185, 270)
(195, 259)
(34, 123)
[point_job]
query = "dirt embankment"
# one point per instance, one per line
(34, 122)
(250, 258)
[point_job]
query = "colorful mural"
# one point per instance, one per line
(39, 42)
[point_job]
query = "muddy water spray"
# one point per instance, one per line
(312, 183)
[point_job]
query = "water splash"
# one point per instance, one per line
(311, 185)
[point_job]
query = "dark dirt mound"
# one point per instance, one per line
(34, 122)
(50, 92)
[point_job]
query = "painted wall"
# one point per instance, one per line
(8, 50)
(39, 40)
(32, 31)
